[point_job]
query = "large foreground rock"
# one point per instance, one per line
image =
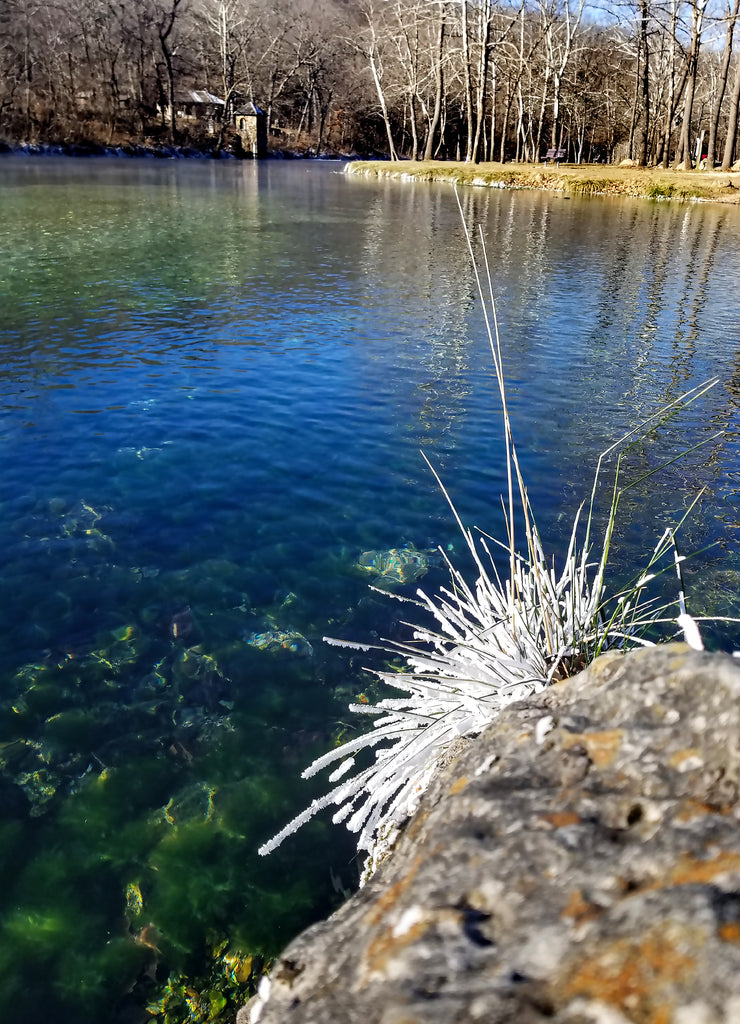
(579, 863)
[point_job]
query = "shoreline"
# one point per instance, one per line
(569, 180)
(160, 152)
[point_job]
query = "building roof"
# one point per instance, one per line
(201, 96)
(249, 108)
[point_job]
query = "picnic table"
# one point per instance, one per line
(554, 154)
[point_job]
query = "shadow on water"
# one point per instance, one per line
(215, 382)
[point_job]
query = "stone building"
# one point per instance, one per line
(197, 105)
(251, 126)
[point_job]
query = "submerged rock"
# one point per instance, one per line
(192, 803)
(281, 640)
(578, 863)
(398, 565)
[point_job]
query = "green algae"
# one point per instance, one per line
(139, 808)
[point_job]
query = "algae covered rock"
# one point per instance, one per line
(578, 863)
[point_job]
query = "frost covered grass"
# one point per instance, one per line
(506, 634)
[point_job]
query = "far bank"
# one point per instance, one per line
(569, 179)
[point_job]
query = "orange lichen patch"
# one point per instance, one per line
(579, 908)
(683, 758)
(691, 809)
(417, 823)
(391, 895)
(458, 785)
(686, 871)
(730, 932)
(602, 747)
(387, 946)
(691, 871)
(640, 977)
(561, 819)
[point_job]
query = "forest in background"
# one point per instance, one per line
(653, 81)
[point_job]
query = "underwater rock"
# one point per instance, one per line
(398, 565)
(81, 522)
(39, 786)
(134, 901)
(197, 676)
(281, 640)
(56, 530)
(180, 624)
(209, 999)
(193, 803)
(143, 572)
(148, 936)
(577, 863)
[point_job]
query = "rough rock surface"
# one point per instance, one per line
(578, 863)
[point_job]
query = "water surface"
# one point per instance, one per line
(215, 383)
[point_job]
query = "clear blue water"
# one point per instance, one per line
(215, 383)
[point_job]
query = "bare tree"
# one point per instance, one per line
(732, 122)
(165, 26)
(683, 154)
(373, 50)
(562, 27)
(731, 20)
(438, 73)
(410, 77)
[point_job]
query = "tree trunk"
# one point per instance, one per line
(541, 119)
(721, 84)
(671, 101)
(164, 31)
(323, 115)
(633, 115)
(482, 83)
(505, 121)
(684, 152)
(414, 133)
(732, 120)
(491, 148)
(643, 88)
(466, 82)
(383, 106)
(438, 87)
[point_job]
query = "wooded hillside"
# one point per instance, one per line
(655, 81)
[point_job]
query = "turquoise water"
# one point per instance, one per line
(215, 383)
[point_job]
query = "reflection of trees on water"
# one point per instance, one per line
(609, 310)
(690, 257)
(419, 255)
(725, 418)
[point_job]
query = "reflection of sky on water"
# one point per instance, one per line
(215, 382)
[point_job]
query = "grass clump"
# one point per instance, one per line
(586, 186)
(504, 635)
(661, 190)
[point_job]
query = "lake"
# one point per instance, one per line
(217, 380)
